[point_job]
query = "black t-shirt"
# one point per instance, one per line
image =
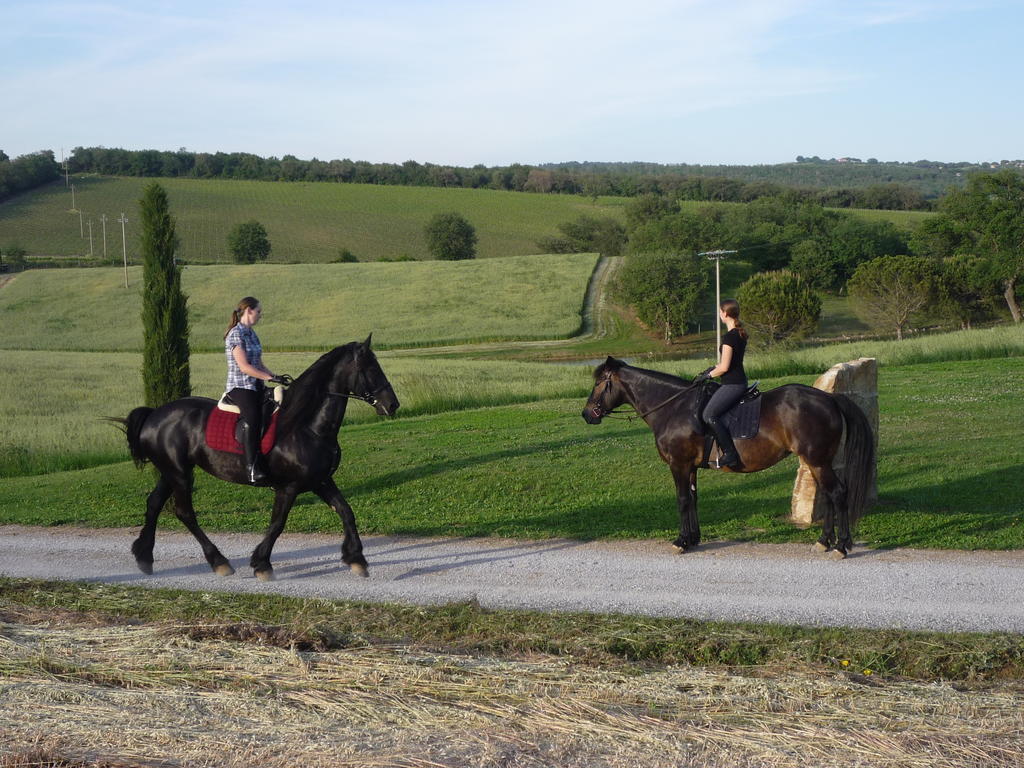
(735, 374)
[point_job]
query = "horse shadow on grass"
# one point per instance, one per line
(968, 510)
(421, 471)
(642, 511)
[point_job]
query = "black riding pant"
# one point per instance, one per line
(724, 398)
(250, 403)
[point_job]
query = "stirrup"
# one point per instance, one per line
(719, 464)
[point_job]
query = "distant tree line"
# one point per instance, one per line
(843, 183)
(929, 178)
(26, 172)
(889, 186)
(243, 165)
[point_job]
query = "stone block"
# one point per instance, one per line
(858, 380)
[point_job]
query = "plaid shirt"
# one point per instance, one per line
(245, 337)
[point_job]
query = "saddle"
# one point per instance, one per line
(742, 420)
(222, 430)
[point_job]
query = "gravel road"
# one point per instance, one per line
(789, 584)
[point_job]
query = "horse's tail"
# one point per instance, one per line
(859, 457)
(132, 427)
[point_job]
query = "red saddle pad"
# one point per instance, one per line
(220, 432)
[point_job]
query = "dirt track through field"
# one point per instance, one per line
(789, 584)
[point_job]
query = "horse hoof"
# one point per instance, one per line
(359, 570)
(837, 554)
(224, 569)
(819, 547)
(146, 568)
(267, 575)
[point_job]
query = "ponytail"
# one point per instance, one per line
(731, 307)
(236, 314)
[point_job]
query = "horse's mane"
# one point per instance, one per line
(664, 378)
(306, 393)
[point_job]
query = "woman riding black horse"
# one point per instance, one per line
(303, 458)
(246, 374)
(794, 419)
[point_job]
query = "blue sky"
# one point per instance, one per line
(469, 81)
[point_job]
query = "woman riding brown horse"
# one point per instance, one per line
(794, 419)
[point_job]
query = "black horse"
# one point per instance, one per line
(794, 419)
(304, 457)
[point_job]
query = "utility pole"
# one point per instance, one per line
(73, 208)
(90, 238)
(81, 226)
(124, 247)
(103, 220)
(717, 256)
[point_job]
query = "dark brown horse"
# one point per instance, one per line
(304, 457)
(794, 419)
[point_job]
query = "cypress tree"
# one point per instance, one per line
(165, 366)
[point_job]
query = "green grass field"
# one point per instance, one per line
(57, 426)
(906, 220)
(306, 222)
(948, 474)
(309, 306)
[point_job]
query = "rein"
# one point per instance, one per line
(634, 416)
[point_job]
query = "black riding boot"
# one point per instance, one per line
(729, 457)
(251, 447)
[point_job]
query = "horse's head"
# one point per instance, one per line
(607, 394)
(377, 389)
(363, 378)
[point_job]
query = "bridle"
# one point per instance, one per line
(601, 413)
(367, 397)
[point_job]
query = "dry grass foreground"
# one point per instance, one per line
(87, 694)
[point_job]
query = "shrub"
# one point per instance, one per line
(450, 237)
(589, 234)
(664, 288)
(248, 242)
(14, 257)
(779, 307)
(555, 244)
